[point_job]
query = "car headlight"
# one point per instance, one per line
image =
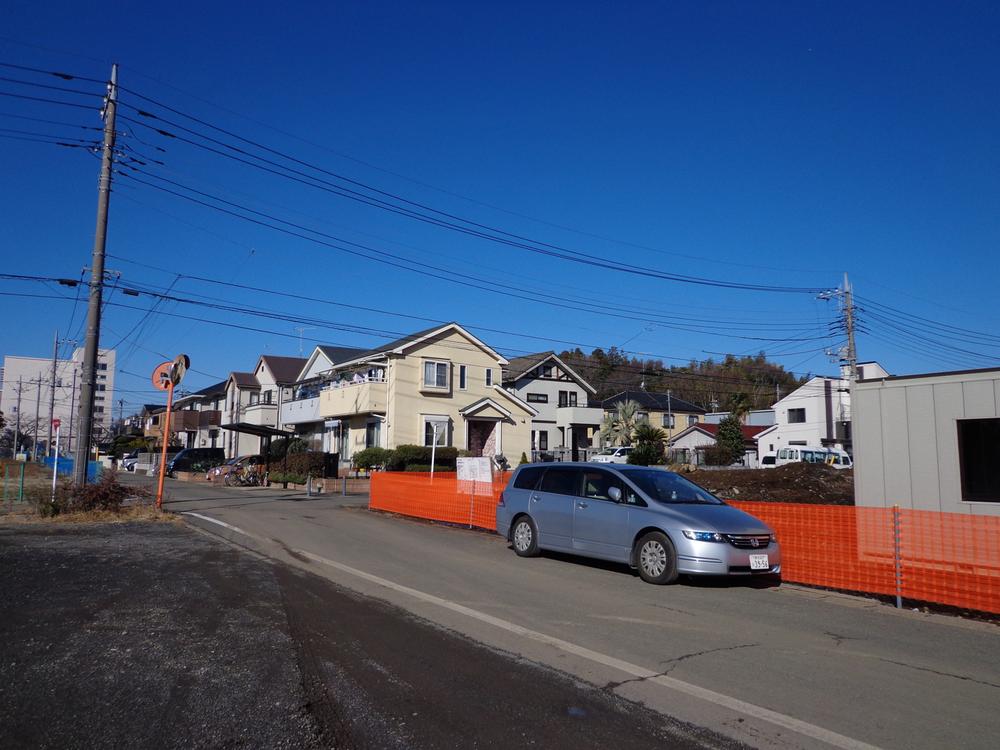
(703, 536)
(774, 537)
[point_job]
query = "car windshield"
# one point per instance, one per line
(607, 452)
(667, 487)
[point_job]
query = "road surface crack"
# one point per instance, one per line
(938, 672)
(611, 686)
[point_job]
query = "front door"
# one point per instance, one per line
(479, 435)
(600, 525)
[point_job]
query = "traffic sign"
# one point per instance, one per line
(56, 423)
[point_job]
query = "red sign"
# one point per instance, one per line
(55, 424)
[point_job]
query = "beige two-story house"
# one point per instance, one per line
(442, 385)
(663, 410)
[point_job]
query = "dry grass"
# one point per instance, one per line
(131, 514)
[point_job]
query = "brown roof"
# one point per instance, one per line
(519, 365)
(284, 369)
(245, 379)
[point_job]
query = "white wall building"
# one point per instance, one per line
(566, 424)
(32, 376)
(929, 442)
(816, 413)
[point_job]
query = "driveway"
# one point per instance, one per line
(774, 667)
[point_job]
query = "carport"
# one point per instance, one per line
(261, 431)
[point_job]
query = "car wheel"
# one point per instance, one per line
(524, 537)
(656, 559)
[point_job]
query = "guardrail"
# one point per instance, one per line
(913, 555)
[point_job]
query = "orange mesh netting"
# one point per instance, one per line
(945, 558)
(439, 498)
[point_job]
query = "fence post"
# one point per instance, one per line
(6, 473)
(897, 560)
(345, 486)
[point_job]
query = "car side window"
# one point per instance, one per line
(597, 483)
(561, 481)
(527, 478)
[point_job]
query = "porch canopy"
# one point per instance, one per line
(261, 431)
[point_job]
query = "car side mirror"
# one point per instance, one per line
(615, 494)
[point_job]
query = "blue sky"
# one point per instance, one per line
(764, 143)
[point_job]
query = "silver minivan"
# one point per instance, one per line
(649, 518)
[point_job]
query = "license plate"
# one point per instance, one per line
(759, 562)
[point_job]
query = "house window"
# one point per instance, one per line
(978, 448)
(538, 398)
(546, 371)
(441, 425)
(102, 366)
(100, 386)
(463, 374)
(642, 417)
(563, 398)
(254, 398)
(796, 416)
(435, 374)
(668, 421)
(373, 429)
(489, 376)
(543, 440)
(267, 396)
(692, 419)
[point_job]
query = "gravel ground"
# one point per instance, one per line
(154, 635)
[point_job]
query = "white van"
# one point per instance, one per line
(811, 454)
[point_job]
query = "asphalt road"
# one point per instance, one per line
(773, 667)
(158, 635)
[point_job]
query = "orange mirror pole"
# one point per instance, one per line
(166, 440)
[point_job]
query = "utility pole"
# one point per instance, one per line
(17, 423)
(121, 416)
(52, 391)
(670, 418)
(852, 352)
(89, 378)
(38, 408)
(72, 413)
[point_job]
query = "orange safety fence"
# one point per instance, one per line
(441, 497)
(926, 556)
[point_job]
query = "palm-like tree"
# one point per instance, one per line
(619, 428)
(646, 434)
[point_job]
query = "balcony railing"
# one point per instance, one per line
(361, 395)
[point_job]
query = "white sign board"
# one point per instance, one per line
(474, 469)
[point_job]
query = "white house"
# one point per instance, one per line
(565, 423)
(929, 442)
(816, 413)
(690, 444)
(253, 401)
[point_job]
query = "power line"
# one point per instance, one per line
(474, 229)
(397, 261)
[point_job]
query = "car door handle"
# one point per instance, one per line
(581, 504)
(535, 498)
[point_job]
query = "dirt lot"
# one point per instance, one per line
(792, 483)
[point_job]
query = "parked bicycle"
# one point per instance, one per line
(245, 476)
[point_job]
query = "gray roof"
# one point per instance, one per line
(520, 365)
(337, 354)
(654, 401)
(349, 355)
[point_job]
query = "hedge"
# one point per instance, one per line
(420, 455)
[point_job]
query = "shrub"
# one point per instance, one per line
(405, 455)
(427, 467)
(106, 494)
(715, 455)
(646, 454)
(524, 459)
(297, 445)
(371, 458)
(303, 464)
(287, 477)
